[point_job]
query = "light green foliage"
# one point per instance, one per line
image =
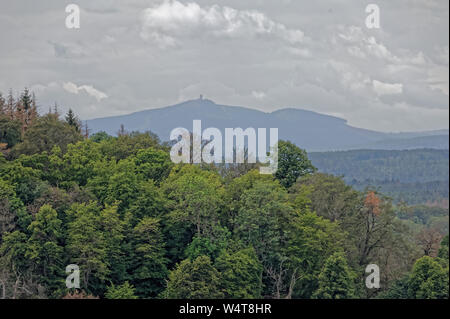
(195, 199)
(335, 279)
(86, 243)
(241, 274)
(44, 248)
(124, 291)
(311, 241)
(153, 164)
(197, 279)
(428, 280)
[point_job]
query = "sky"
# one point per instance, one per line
(134, 55)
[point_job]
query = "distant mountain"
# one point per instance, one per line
(309, 130)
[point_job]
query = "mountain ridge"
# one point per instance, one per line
(308, 129)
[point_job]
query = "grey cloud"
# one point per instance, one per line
(330, 67)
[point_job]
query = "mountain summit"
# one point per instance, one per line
(309, 130)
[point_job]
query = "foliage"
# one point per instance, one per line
(335, 279)
(139, 226)
(197, 279)
(428, 280)
(124, 291)
(293, 163)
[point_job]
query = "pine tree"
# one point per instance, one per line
(72, 120)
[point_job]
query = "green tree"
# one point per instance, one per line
(195, 199)
(293, 163)
(12, 211)
(263, 223)
(148, 262)
(241, 274)
(330, 197)
(124, 291)
(86, 244)
(397, 290)
(43, 135)
(100, 136)
(443, 250)
(10, 131)
(113, 229)
(335, 279)
(428, 280)
(126, 145)
(73, 120)
(44, 249)
(201, 246)
(312, 240)
(153, 164)
(196, 279)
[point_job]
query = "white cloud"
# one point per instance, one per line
(89, 89)
(167, 22)
(258, 95)
(363, 45)
(382, 88)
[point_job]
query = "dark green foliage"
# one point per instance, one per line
(48, 132)
(73, 121)
(100, 136)
(9, 131)
(147, 263)
(293, 163)
(398, 289)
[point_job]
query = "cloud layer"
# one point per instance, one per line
(169, 22)
(140, 54)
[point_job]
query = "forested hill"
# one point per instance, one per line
(137, 225)
(415, 176)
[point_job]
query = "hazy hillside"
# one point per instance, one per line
(309, 130)
(415, 176)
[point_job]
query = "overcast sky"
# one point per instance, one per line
(315, 55)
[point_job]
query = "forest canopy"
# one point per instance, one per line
(139, 226)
